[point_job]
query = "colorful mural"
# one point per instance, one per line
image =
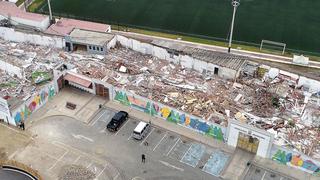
(169, 114)
(33, 104)
(288, 158)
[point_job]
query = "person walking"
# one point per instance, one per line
(143, 158)
(22, 125)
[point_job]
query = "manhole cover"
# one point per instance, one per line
(159, 131)
(184, 141)
(134, 122)
(273, 175)
(171, 137)
(257, 171)
(145, 171)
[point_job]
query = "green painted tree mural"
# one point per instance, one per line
(174, 117)
(215, 132)
(122, 98)
(150, 109)
(280, 156)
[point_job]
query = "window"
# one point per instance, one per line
(94, 48)
(89, 47)
(102, 49)
(98, 48)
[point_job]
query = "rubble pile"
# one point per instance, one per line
(75, 172)
(26, 68)
(260, 98)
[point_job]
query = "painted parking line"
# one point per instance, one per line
(160, 141)
(194, 155)
(147, 136)
(129, 137)
(122, 127)
(98, 118)
(264, 174)
(89, 165)
(59, 159)
(104, 168)
(185, 153)
(75, 161)
(216, 163)
(173, 147)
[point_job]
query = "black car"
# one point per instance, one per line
(118, 119)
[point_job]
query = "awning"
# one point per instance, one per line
(77, 80)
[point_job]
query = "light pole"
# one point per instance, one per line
(50, 12)
(235, 4)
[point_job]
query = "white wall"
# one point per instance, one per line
(11, 69)
(112, 43)
(40, 25)
(32, 104)
(5, 112)
(184, 60)
(265, 141)
(313, 85)
(9, 34)
(227, 73)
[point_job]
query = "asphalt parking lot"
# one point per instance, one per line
(167, 144)
(259, 173)
(61, 140)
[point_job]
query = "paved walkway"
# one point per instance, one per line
(86, 106)
(238, 164)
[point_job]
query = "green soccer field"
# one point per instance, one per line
(294, 22)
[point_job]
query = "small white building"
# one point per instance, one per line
(18, 17)
(249, 138)
(90, 41)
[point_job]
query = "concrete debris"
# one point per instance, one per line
(263, 97)
(26, 68)
(75, 172)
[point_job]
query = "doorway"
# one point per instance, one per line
(248, 143)
(216, 70)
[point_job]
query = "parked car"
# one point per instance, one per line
(141, 130)
(118, 119)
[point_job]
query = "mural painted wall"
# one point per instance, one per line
(289, 158)
(169, 114)
(34, 103)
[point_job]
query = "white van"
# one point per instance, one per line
(141, 130)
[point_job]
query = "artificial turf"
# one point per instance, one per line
(294, 22)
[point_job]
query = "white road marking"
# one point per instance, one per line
(173, 147)
(105, 166)
(98, 118)
(147, 136)
(122, 127)
(129, 137)
(89, 165)
(116, 177)
(77, 159)
(281, 178)
(264, 174)
(160, 141)
(186, 153)
(102, 130)
(79, 136)
(170, 165)
(58, 160)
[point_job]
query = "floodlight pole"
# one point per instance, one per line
(50, 13)
(235, 4)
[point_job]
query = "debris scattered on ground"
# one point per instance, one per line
(75, 172)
